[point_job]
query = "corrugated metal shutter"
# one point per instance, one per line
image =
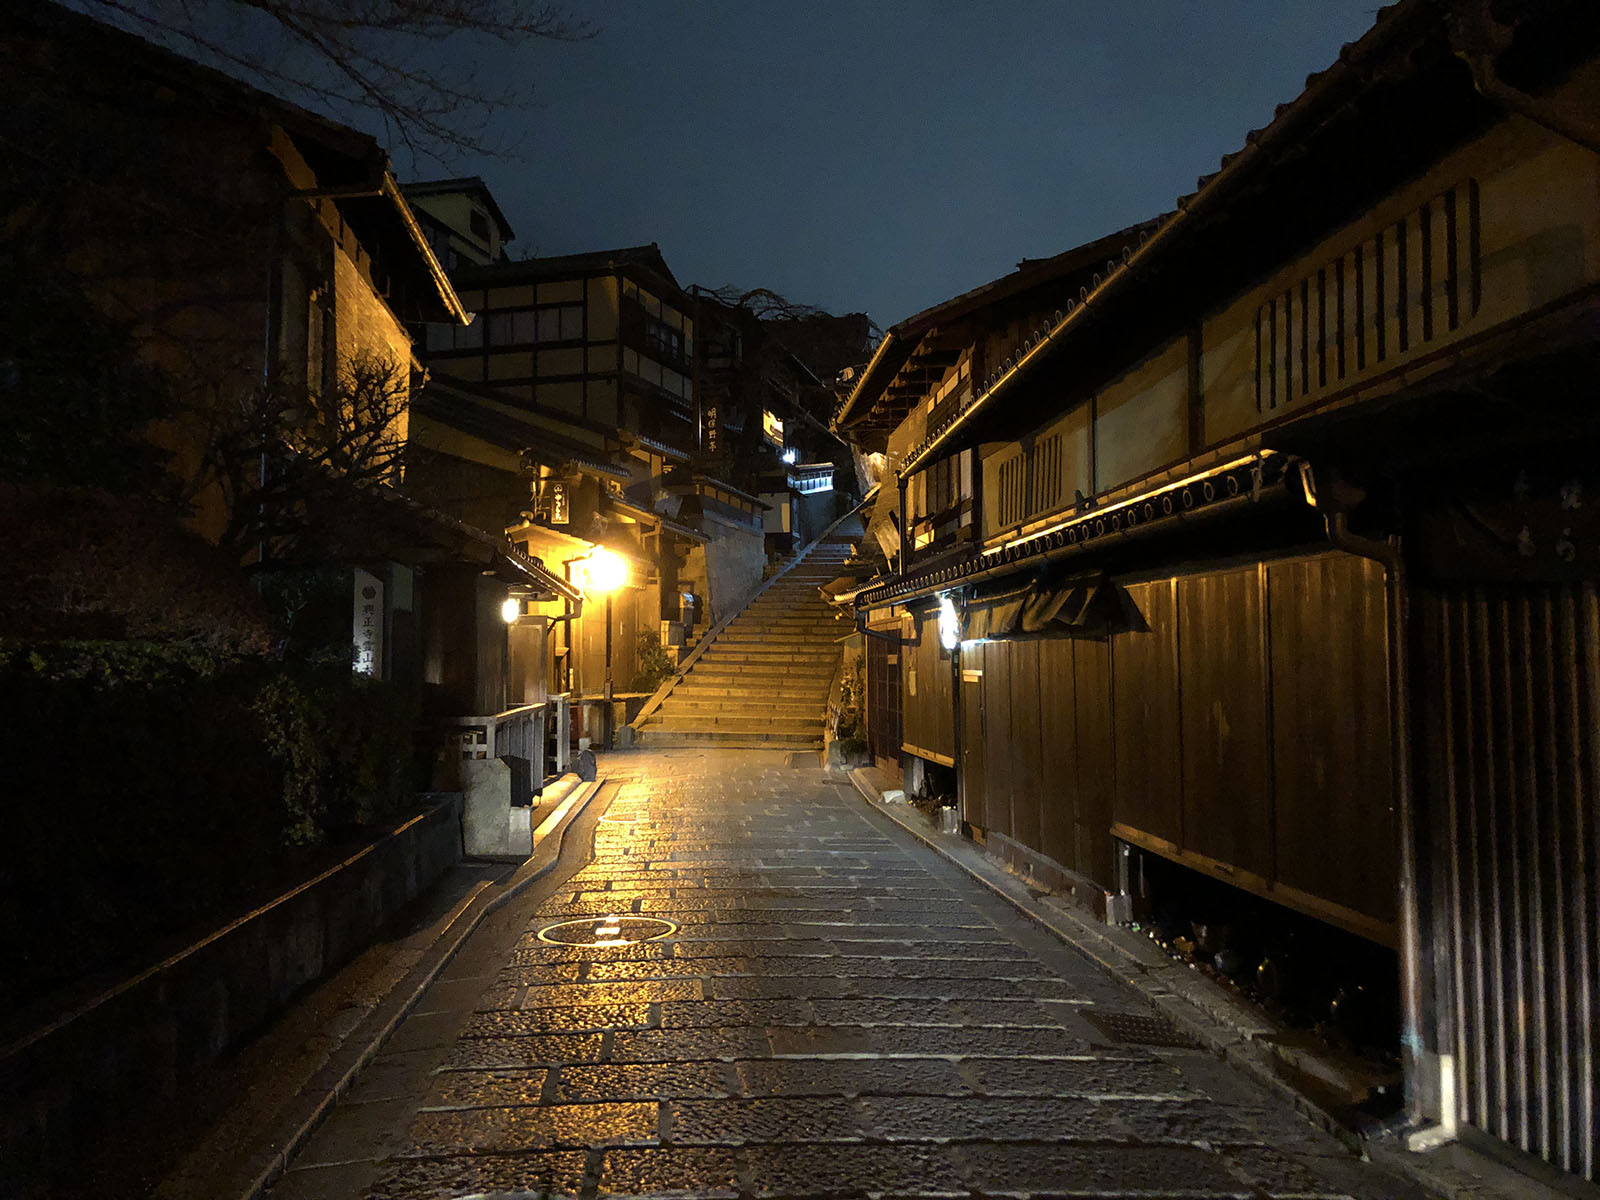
(1511, 719)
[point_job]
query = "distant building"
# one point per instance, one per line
(461, 221)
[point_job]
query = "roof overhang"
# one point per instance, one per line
(1259, 478)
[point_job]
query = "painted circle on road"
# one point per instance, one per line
(607, 931)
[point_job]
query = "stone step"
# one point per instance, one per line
(775, 622)
(734, 741)
(820, 641)
(759, 652)
(691, 722)
(746, 697)
(692, 703)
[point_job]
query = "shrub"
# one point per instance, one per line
(655, 665)
(155, 787)
(850, 727)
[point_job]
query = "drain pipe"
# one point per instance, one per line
(861, 628)
(1426, 1132)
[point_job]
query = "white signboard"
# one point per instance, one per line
(367, 635)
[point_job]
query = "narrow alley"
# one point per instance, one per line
(833, 1010)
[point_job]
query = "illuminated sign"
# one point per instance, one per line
(772, 427)
(367, 631)
(560, 512)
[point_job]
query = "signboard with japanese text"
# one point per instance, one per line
(367, 636)
(560, 510)
(772, 427)
(1534, 522)
(711, 429)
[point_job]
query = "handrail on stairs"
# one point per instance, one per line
(715, 631)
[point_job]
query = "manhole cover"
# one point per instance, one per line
(606, 931)
(1138, 1030)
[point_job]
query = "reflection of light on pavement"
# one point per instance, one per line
(553, 819)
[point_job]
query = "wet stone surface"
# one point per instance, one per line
(839, 1013)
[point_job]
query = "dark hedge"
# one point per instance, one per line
(154, 790)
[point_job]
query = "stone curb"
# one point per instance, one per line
(322, 1091)
(1201, 1009)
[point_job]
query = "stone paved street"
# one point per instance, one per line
(840, 1012)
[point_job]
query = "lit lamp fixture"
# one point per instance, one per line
(949, 624)
(791, 456)
(604, 571)
(511, 610)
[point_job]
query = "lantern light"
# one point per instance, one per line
(949, 624)
(511, 610)
(604, 570)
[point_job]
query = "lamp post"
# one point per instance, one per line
(605, 571)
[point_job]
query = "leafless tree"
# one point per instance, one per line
(303, 475)
(406, 64)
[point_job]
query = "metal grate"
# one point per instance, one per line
(1136, 1029)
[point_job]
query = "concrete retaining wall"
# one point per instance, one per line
(142, 1041)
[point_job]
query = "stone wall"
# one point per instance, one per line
(146, 1040)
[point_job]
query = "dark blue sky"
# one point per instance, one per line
(885, 156)
(876, 155)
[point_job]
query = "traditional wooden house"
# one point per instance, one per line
(261, 252)
(1266, 550)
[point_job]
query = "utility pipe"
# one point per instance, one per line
(1387, 553)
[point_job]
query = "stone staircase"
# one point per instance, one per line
(764, 681)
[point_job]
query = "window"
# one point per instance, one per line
(564, 324)
(478, 222)
(511, 328)
(456, 337)
(1415, 280)
(663, 340)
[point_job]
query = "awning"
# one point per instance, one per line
(1086, 607)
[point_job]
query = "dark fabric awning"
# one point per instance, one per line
(1085, 607)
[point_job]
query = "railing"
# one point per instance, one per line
(515, 733)
(517, 736)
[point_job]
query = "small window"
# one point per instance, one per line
(478, 222)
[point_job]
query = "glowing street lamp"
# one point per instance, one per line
(511, 610)
(604, 571)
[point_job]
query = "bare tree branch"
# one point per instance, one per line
(364, 57)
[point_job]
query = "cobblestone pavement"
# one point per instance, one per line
(840, 1012)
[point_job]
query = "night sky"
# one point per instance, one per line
(885, 156)
(869, 156)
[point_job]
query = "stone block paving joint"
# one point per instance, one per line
(838, 1012)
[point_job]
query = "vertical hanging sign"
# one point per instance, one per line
(367, 637)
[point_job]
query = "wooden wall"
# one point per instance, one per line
(1246, 735)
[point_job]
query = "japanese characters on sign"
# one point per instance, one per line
(367, 636)
(711, 431)
(1536, 523)
(560, 511)
(772, 427)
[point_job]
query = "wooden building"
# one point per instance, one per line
(1265, 549)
